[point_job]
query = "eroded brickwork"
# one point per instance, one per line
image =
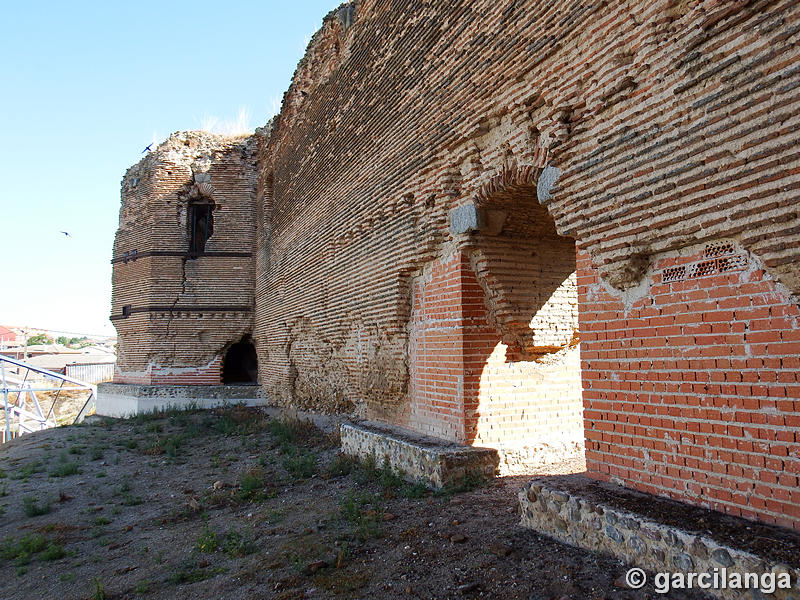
(636, 133)
(176, 311)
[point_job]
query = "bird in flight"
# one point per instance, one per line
(148, 148)
(66, 234)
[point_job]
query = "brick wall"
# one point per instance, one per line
(185, 310)
(448, 320)
(466, 386)
(156, 375)
(531, 411)
(645, 109)
(663, 125)
(155, 339)
(692, 389)
(672, 124)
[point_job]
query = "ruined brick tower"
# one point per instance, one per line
(184, 264)
(533, 226)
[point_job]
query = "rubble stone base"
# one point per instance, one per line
(521, 460)
(418, 458)
(660, 535)
(124, 400)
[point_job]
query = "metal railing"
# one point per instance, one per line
(23, 409)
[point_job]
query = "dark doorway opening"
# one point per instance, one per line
(240, 364)
(201, 225)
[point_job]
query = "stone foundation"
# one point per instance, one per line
(419, 458)
(660, 535)
(122, 400)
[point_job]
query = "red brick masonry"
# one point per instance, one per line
(694, 390)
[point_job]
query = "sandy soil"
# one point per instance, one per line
(232, 505)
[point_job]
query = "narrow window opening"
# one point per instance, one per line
(126, 311)
(201, 225)
(240, 364)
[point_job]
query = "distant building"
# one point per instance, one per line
(7, 337)
(92, 364)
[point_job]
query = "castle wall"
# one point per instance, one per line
(644, 129)
(406, 238)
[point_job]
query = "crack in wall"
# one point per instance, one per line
(171, 317)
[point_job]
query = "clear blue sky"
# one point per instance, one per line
(84, 87)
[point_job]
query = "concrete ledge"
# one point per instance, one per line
(660, 535)
(419, 458)
(124, 400)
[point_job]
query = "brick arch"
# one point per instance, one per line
(525, 267)
(509, 177)
(493, 333)
(526, 392)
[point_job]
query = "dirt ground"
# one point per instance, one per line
(233, 505)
